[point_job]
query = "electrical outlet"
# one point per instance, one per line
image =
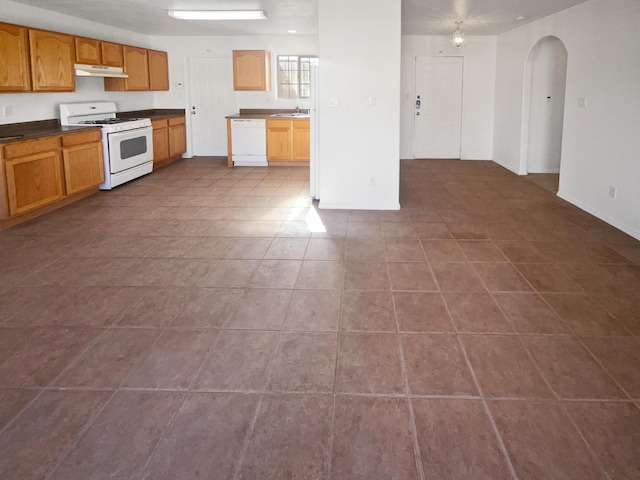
(372, 180)
(582, 102)
(334, 101)
(7, 111)
(613, 191)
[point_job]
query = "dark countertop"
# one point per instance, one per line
(153, 114)
(259, 113)
(15, 132)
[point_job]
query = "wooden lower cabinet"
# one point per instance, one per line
(83, 167)
(288, 140)
(33, 181)
(169, 139)
(43, 174)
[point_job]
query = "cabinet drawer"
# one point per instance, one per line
(278, 123)
(71, 139)
(29, 147)
(176, 121)
(159, 123)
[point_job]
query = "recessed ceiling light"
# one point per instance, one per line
(520, 18)
(291, 31)
(218, 14)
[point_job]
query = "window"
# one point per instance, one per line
(293, 76)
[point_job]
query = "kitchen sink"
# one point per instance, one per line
(290, 115)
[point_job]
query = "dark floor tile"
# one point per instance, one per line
(230, 274)
(239, 360)
(481, 251)
(144, 272)
(364, 310)
(206, 437)
(421, 312)
(570, 370)
(290, 439)
(156, 308)
(34, 443)
(365, 250)
(503, 368)
(287, 249)
(173, 361)
(187, 272)
(12, 401)
(208, 307)
(261, 309)
(584, 316)
(620, 356)
(432, 231)
(501, 277)
(613, 432)
(369, 363)
(276, 274)
(326, 249)
(209, 247)
(248, 248)
(366, 276)
(404, 251)
(521, 251)
(320, 275)
(476, 313)
(313, 310)
(542, 442)
(121, 439)
(411, 276)
(372, 439)
(456, 277)
(436, 365)
(304, 362)
(545, 277)
(528, 313)
(109, 359)
(457, 440)
(43, 355)
(443, 251)
(363, 230)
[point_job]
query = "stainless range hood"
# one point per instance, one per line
(99, 71)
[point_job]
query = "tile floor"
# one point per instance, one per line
(204, 322)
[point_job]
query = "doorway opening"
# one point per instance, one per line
(545, 84)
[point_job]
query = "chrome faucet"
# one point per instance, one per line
(297, 110)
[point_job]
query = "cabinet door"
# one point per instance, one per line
(279, 140)
(251, 70)
(158, 70)
(301, 146)
(83, 167)
(52, 58)
(160, 144)
(33, 181)
(14, 66)
(136, 65)
(112, 54)
(177, 139)
(88, 50)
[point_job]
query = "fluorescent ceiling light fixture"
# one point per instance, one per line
(218, 14)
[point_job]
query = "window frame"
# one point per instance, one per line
(285, 83)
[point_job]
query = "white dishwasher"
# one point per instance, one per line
(249, 142)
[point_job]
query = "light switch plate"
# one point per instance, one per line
(582, 102)
(334, 101)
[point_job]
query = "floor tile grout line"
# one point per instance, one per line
(80, 435)
(336, 370)
(417, 454)
(496, 431)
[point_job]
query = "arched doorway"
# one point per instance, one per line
(545, 75)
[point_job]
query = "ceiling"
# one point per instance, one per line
(419, 17)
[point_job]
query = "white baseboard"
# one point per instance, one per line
(605, 218)
(346, 206)
(508, 167)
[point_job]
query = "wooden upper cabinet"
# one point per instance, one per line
(136, 65)
(158, 70)
(52, 59)
(251, 70)
(88, 51)
(14, 52)
(112, 54)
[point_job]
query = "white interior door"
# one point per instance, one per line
(437, 107)
(212, 98)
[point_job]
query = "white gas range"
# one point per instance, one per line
(127, 143)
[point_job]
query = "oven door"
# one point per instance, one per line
(130, 148)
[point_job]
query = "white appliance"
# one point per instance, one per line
(314, 164)
(249, 142)
(127, 143)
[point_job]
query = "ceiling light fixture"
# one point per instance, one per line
(218, 14)
(291, 31)
(458, 37)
